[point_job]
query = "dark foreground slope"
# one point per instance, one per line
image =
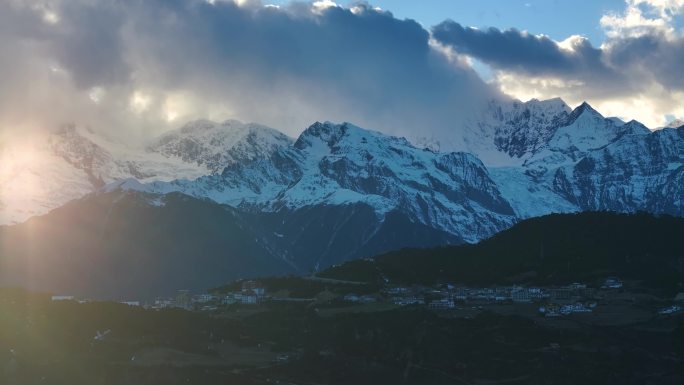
(320, 338)
(54, 343)
(126, 244)
(122, 246)
(554, 249)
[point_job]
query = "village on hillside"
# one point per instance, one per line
(553, 301)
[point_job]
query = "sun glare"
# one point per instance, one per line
(20, 180)
(13, 160)
(50, 17)
(140, 102)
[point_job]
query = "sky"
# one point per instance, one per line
(549, 17)
(137, 68)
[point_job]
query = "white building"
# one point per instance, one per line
(246, 298)
(612, 283)
(521, 295)
(203, 298)
(162, 303)
(351, 298)
(442, 304)
(254, 287)
(409, 300)
(63, 298)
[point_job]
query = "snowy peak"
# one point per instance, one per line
(504, 132)
(104, 160)
(327, 133)
(634, 127)
(342, 137)
(217, 145)
(346, 165)
(73, 161)
(511, 133)
(548, 107)
(508, 132)
(585, 129)
(332, 165)
(617, 121)
(585, 112)
(518, 160)
(76, 149)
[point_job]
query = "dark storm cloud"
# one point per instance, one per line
(622, 65)
(285, 66)
(365, 64)
(89, 44)
(520, 51)
(654, 54)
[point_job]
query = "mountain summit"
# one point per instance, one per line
(341, 192)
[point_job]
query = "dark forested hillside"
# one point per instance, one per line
(550, 249)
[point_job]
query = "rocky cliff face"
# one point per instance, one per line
(218, 145)
(636, 172)
(584, 161)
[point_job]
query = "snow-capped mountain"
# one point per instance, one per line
(344, 164)
(584, 131)
(583, 161)
(33, 181)
(530, 152)
(539, 153)
(513, 133)
(50, 169)
(340, 192)
(216, 146)
(504, 132)
(341, 164)
(253, 201)
(636, 172)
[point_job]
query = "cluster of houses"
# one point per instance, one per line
(182, 300)
(58, 298)
(448, 296)
(671, 310)
(251, 293)
(558, 301)
(557, 310)
(524, 294)
(360, 298)
(554, 301)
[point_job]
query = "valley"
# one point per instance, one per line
(451, 320)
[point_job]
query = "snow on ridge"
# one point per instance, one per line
(72, 161)
(519, 160)
(217, 145)
(343, 164)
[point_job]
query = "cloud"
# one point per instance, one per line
(520, 51)
(141, 67)
(642, 17)
(635, 73)
(137, 68)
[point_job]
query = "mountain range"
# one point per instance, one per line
(335, 193)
